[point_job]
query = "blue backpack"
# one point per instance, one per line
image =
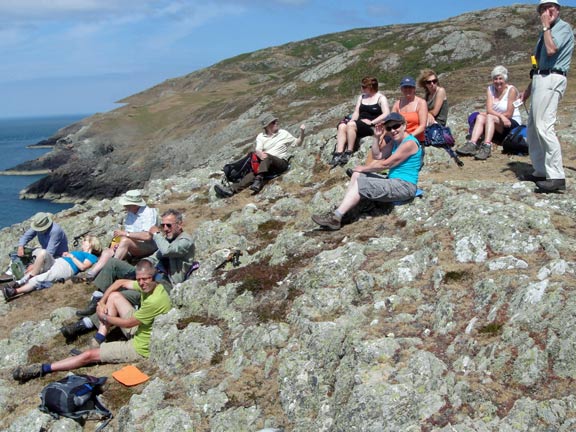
(515, 142)
(75, 397)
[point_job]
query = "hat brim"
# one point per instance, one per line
(41, 227)
(125, 202)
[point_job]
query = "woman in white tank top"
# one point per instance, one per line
(500, 117)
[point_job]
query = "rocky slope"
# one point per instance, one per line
(209, 115)
(451, 313)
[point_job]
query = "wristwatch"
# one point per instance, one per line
(545, 28)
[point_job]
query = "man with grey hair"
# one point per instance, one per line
(174, 259)
(551, 62)
(269, 158)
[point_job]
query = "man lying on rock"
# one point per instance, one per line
(134, 241)
(115, 310)
(398, 152)
(271, 156)
(174, 259)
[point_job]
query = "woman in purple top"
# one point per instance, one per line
(63, 268)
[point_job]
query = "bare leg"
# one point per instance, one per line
(351, 197)
(491, 122)
(75, 362)
(351, 132)
(478, 127)
(117, 306)
(341, 138)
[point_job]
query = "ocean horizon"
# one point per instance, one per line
(16, 134)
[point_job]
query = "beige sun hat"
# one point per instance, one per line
(41, 221)
(132, 197)
(267, 118)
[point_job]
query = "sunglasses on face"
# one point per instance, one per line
(432, 81)
(393, 127)
(166, 225)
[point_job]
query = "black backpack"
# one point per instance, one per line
(515, 142)
(76, 397)
(235, 171)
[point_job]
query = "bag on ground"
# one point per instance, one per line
(75, 397)
(515, 142)
(438, 136)
(235, 171)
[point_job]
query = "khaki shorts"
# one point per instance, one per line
(119, 352)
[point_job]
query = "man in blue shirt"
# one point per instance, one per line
(553, 54)
(53, 243)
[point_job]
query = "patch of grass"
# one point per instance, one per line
(207, 321)
(491, 329)
(269, 229)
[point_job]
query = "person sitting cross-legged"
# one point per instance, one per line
(397, 151)
(115, 310)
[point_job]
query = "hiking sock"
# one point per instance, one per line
(87, 323)
(99, 338)
(338, 214)
(46, 368)
(24, 279)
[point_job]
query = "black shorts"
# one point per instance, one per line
(363, 129)
(499, 136)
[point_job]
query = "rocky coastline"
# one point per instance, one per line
(451, 313)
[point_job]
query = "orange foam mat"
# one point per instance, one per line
(130, 376)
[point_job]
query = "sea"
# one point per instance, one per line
(16, 134)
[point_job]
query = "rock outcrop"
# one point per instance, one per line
(452, 312)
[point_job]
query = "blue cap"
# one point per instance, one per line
(407, 82)
(394, 117)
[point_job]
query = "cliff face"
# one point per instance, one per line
(209, 115)
(453, 312)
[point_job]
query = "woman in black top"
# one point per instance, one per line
(371, 108)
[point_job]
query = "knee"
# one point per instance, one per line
(112, 298)
(107, 253)
(351, 126)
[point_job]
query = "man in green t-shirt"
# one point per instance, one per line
(115, 310)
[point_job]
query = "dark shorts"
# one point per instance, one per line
(499, 137)
(363, 130)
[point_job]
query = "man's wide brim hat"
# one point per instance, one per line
(41, 221)
(132, 197)
(267, 118)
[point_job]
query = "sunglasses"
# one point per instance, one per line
(432, 81)
(166, 225)
(393, 127)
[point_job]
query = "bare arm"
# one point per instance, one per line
(300, 138)
(356, 112)
(546, 19)
(440, 97)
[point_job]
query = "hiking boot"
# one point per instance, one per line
(26, 373)
(552, 185)
(329, 221)
(9, 292)
(90, 309)
(468, 149)
(83, 277)
(72, 331)
(335, 159)
(484, 152)
(345, 157)
(532, 178)
(223, 191)
(257, 185)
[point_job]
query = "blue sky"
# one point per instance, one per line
(81, 56)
